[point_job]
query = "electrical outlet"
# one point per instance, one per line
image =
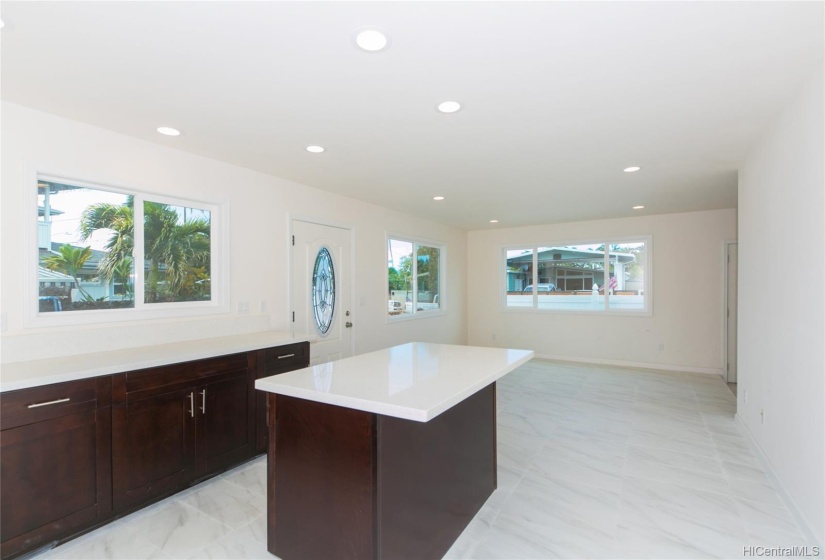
(662, 347)
(746, 396)
(494, 336)
(263, 306)
(243, 307)
(762, 415)
(363, 301)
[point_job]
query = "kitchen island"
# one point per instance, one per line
(386, 455)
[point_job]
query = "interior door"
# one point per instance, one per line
(322, 289)
(730, 345)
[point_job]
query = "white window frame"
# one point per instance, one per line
(647, 311)
(219, 266)
(442, 277)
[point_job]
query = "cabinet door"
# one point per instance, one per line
(50, 480)
(226, 430)
(55, 449)
(153, 446)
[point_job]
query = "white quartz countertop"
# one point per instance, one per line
(22, 375)
(415, 381)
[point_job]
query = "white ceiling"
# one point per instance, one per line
(558, 97)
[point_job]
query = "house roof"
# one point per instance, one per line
(41, 211)
(562, 255)
(90, 265)
(46, 275)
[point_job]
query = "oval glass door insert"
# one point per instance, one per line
(323, 291)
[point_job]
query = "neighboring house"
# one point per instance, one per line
(54, 289)
(568, 269)
(90, 279)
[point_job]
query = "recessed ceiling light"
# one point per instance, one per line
(632, 169)
(438, 198)
(315, 149)
(168, 131)
(638, 207)
(493, 221)
(449, 106)
(371, 40)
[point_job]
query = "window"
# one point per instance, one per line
(323, 291)
(586, 277)
(415, 276)
(90, 237)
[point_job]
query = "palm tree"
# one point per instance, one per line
(173, 250)
(123, 273)
(70, 260)
(178, 247)
(119, 218)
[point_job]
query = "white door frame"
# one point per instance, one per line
(291, 218)
(726, 307)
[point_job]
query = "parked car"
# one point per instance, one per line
(540, 288)
(395, 307)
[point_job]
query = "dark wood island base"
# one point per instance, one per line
(348, 484)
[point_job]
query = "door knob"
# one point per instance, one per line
(348, 325)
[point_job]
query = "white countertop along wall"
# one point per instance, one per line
(414, 381)
(34, 373)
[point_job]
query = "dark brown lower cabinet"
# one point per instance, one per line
(175, 425)
(153, 447)
(354, 485)
(76, 455)
(272, 361)
(55, 447)
(226, 434)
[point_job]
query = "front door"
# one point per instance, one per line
(322, 289)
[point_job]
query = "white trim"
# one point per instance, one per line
(725, 306)
(643, 365)
(767, 467)
(290, 247)
(316, 221)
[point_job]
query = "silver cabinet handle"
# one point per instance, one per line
(203, 396)
(286, 356)
(192, 404)
(35, 405)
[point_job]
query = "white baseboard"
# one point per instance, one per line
(790, 503)
(643, 365)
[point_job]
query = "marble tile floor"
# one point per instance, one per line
(594, 462)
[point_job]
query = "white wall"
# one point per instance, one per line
(688, 295)
(781, 341)
(261, 207)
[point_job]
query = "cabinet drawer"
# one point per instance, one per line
(180, 375)
(286, 358)
(26, 406)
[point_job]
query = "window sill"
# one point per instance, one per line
(415, 316)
